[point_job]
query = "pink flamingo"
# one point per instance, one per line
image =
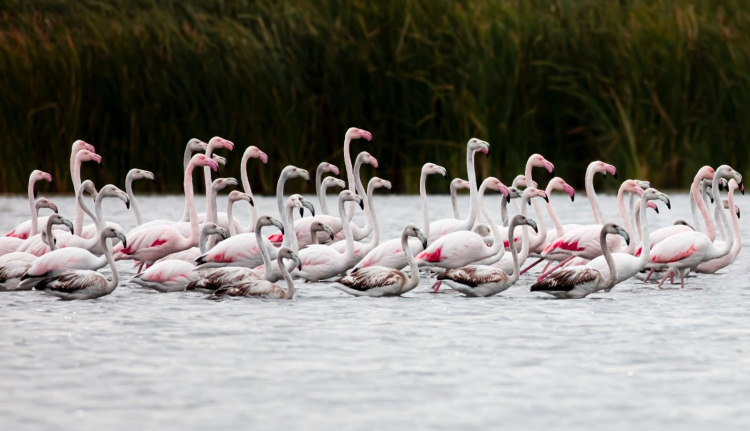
(252, 152)
(149, 244)
(481, 280)
(31, 226)
(214, 144)
(173, 275)
(352, 133)
(382, 281)
(580, 281)
(81, 156)
(685, 251)
(390, 254)
(327, 183)
(506, 262)
(136, 174)
(445, 226)
(9, 244)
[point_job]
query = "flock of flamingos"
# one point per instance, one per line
(216, 254)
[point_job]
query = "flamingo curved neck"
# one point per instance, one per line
(133, 203)
(423, 198)
(32, 206)
(91, 242)
(349, 250)
(207, 179)
(248, 191)
(498, 247)
(722, 251)
(612, 280)
(360, 188)
(230, 218)
(514, 252)
(504, 212)
(185, 162)
(525, 238)
(192, 213)
(553, 214)
(591, 194)
(413, 280)
(643, 259)
(280, 195)
(107, 247)
(319, 188)
(202, 244)
(78, 222)
(372, 220)
(454, 203)
(695, 192)
(267, 270)
(290, 238)
(289, 292)
(630, 249)
(349, 173)
(473, 209)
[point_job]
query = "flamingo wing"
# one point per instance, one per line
(474, 275)
(12, 270)
(71, 281)
(372, 277)
(567, 279)
(677, 247)
(222, 277)
(254, 288)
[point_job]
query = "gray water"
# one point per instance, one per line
(635, 358)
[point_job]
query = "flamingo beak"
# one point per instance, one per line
(533, 225)
(68, 223)
(122, 238)
(296, 260)
(333, 169)
(222, 233)
(278, 224)
(421, 238)
(328, 231)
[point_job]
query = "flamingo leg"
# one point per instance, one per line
(546, 266)
(436, 287)
(650, 273)
(663, 280)
(671, 277)
(682, 281)
(542, 277)
(140, 268)
(531, 266)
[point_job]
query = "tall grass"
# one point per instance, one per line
(658, 88)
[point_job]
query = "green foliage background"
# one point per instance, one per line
(657, 88)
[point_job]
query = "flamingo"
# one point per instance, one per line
(327, 183)
(507, 263)
(320, 262)
(262, 288)
(711, 266)
(235, 274)
(628, 265)
(390, 254)
(214, 143)
(236, 196)
(382, 281)
(557, 183)
(81, 284)
(361, 249)
(580, 281)
(685, 251)
(445, 226)
(80, 157)
(31, 226)
(14, 265)
(136, 174)
(457, 184)
(194, 145)
(481, 280)
(513, 193)
(537, 161)
(173, 275)
(213, 216)
(147, 245)
(322, 169)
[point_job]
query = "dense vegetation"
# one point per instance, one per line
(657, 88)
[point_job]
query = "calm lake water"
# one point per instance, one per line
(635, 358)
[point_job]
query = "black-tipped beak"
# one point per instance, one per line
(657, 210)
(507, 199)
(424, 244)
(739, 213)
(252, 202)
(361, 204)
(615, 175)
(127, 204)
(669, 205)
(546, 198)
(282, 231)
(552, 172)
(489, 151)
(301, 212)
(573, 198)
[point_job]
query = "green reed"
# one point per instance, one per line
(657, 88)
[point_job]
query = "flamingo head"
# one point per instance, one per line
(706, 173)
(137, 174)
(218, 159)
(294, 172)
(317, 226)
(88, 156)
(349, 196)
(538, 161)
(110, 232)
(217, 142)
(88, 187)
(604, 168)
(481, 229)
(288, 254)
(365, 157)
(520, 219)
(267, 220)
(514, 193)
(355, 133)
(652, 206)
(493, 183)
(82, 145)
(112, 191)
(331, 182)
(479, 145)
(328, 167)
(306, 204)
(431, 168)
(38, 175)
(377, 183)
(253, 152)
(732, 186)
(45, 203)
(682, 222)
(653, 194)
(201, 160)
(459, 184)
(411, 230)
(630, 186)
(613, 229)
(728, 172)
(195, 145)
(531, 192)
(214, 229)
(221, 183)
(236, 195)
(558, 183)
(643, 184)
(58, 219)
(520, 181)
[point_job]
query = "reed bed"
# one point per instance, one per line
(657, 88)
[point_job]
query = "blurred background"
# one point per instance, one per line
(658, 88)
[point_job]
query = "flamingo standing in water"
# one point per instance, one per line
(31, 226)
(150, 244)
(10, 244)
(265, 289)
(136, 174)
(327, 183)
(323, 168)
(85, 284)
(252, 152)
(711, 266)
(382, 281)
(685, 251)
(352, 133)
(482, 280)
(580, 281)
(390, 254)
(214, 144)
